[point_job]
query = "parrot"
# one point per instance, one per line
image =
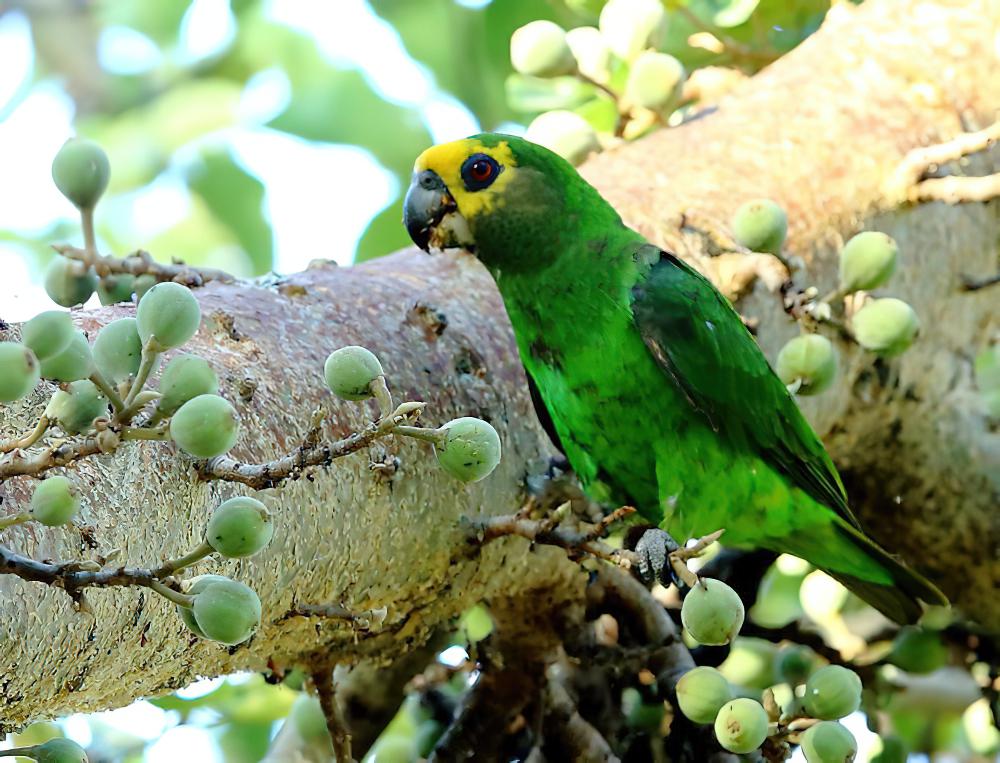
(642, 373)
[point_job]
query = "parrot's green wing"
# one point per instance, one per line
(699, 339)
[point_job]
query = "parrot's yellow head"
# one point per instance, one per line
(504, 198)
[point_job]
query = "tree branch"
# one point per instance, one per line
(140, 263)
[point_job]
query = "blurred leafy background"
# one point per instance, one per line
(257, 135)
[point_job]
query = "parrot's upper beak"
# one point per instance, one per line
(427, 202)
(430, 214)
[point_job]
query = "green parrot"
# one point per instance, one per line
(642, 372)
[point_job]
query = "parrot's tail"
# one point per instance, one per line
(898, 601)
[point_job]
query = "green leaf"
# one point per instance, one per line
(341, 107)
(468, 49)
(600, 112)
(245, 742)
(159, 20)
(384, 234)
(236, 198)
(734, 13)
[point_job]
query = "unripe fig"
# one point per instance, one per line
(741, 725)
(308, 719)
(893, 749)
(59, 750)
(19, 371)
(832, 692)
(566, 133)
(241, 526)
(73, 363)
(630, 26)
(810, 360)
(540, 49)
(701, 693)
(144, 283)
(75, 408)
(194, 586)
(655, 81)
(639, 714)
(760, 225)
(393, 748)
(793, 664)
(427, 736)
(112, 289)
(918, 650)
(69, 282)
(48, 333)
(81, 171)
(54, 502)
(885, 326)
(712, 612)
(118, 349)
(184, 378)
(205, 426)
(828, 742)
(169, 315)
(227, 611)
(867, 261)
(592, 54)
(471, 449)
(350, 372)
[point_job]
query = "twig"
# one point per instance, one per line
(310, 453)
(576, 737)
(956, 189)
(27, 440)
(670, 659)
(483, 530)
(141, 262)
(975, 284)
(73, 577)
(905, 183)
(368, 619)
(765, 53)
(98, 380)
(323, 681)
(60, 455)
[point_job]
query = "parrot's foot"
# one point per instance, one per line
(654, 549)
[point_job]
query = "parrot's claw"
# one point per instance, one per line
(654, 549)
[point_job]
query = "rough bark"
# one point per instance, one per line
(820, 131)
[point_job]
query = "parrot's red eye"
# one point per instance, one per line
(479, 171)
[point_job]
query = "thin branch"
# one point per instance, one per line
(483, 530)
(576, 737)
(27, 440)
(339, 734)
(59, 455)
(309, 453)
(975, 284)
(766, 54)
(956, 189)
(368, 619)
(98, 380)
(141, 262)
(73, 577)
(905, 183)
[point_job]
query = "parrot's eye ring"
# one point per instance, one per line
(479, 171)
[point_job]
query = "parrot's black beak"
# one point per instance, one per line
(427, 203)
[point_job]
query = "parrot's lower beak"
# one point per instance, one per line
(431, 216)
